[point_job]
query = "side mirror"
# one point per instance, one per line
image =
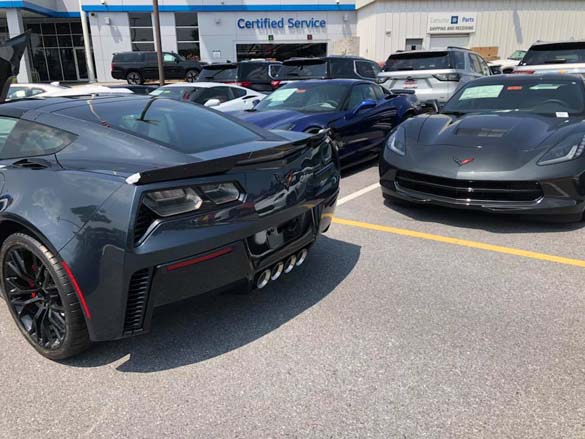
(212, 103)
(364, 105)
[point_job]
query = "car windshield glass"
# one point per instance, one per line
(173, 92)
(517, 55)
(557, 98)
(215, 73)
(563, 53)
(418, 61)
(304, 70)
(307, 98)
(180, 126)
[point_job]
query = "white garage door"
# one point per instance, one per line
(443, 41)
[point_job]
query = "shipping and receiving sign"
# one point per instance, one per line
(452, 23)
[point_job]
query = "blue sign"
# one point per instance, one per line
(291, 23)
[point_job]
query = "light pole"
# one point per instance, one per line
(86, 44)
(159, 54)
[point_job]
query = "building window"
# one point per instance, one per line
(3, 30)
(141, 31)
(187, 29)
(56, 50)
(413, 44)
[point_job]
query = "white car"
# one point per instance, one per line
(507, 65)
(564, 57)
(21, 91)
(222, 97)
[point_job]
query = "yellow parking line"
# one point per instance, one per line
(462, 242)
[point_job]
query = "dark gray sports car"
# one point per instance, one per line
(112, 206)
(508, 144)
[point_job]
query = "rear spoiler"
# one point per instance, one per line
(226, 164)
(11, 52)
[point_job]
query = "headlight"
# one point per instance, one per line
(397, 141)
(169, 202)
(569, 149)
(326, 152)
(173, 201)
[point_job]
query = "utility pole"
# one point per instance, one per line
(159, 54)
(86, 44)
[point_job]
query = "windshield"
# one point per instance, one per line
(306, 70)
(517, 55)
(314, 98)
(179, 126)
(418, 61)
(218, 73)
(561, 53)
(557, 98)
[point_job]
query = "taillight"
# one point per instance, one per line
(448, 77)
(246, 84)
(275, 84)
(112, 67)
(523, 72)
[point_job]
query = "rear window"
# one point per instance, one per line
(418, 61)
(218, 73)
(303, 69)
(179, 126)
(561, 53)
(253, 72)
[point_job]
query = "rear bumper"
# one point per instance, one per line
(561, 199)
(195, 259)
(426, 95)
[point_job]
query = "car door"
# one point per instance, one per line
(360, 133)
(173, 67)
(149, 65)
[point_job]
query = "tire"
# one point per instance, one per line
(134, 78)
(53, 323)
(191, 75)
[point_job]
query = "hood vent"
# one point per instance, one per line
(482, 132)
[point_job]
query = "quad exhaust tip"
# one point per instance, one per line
(302, 256)
(290, 264)
(281, 267)
(263, 279)
(277, 271)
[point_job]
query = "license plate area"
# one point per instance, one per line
(410, 83)
(279, 236)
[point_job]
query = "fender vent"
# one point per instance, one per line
(143, 221)
(137, 299)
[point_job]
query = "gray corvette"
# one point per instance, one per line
(113, 206)
(507, 144)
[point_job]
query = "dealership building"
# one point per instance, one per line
(232, 30)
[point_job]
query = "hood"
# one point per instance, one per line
(494, 142)
(284, 119)
(11, 52)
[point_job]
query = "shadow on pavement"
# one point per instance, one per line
(492, 222)
(209, 326)
(348, 172)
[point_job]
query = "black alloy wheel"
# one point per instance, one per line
(134, 78)
(191, 75)
(41, 299)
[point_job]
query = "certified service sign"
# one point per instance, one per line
(445, 23)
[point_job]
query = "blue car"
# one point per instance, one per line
(359, 114)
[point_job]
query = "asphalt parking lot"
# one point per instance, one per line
(404, 323)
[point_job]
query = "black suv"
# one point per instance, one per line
(137, 67)
(328, 67)
(259, 75)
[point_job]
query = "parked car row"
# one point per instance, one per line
(113, 204)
